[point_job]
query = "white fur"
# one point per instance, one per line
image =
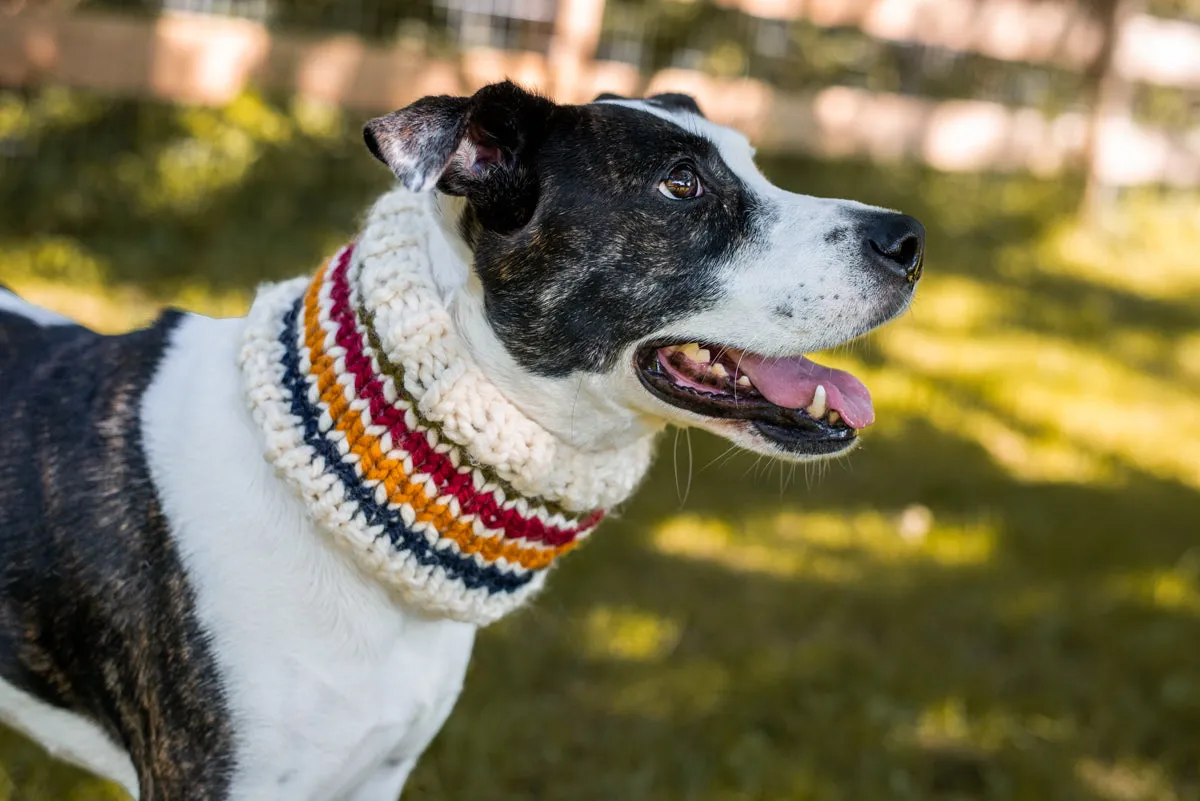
(43, 317)
(67, 736)
(334, 685)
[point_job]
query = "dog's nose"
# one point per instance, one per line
(896, 243)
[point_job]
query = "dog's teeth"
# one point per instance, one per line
(834, 416)
(719, 370)
(816, 409)
(744, 381)
(694, 352)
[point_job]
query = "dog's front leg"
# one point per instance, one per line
(387, 779)
(386, 783)
(164, 783)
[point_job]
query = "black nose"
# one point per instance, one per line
(896, 243)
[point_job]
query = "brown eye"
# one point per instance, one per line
(681, 183)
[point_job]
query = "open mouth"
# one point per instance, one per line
(799, 405)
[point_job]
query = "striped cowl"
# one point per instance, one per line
(400, 447)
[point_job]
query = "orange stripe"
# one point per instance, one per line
(374, 464)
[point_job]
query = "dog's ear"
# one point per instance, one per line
(459, 143)
(418, 141)
(672, 101)
(677, 101)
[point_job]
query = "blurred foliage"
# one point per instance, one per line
(1176, 9)
(996, 597)
(1171, 108)
(121, 190)
(801, 56)
(26, 774)
(706, 35)
(374, 20)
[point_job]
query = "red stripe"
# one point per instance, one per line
(425, 459)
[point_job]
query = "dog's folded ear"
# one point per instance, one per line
(672, 101)
(457, 143)
(677, 101)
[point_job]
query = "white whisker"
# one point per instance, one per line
(675, 464)
(575, 402)
(687, 490)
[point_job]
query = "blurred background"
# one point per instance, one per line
(996, 597)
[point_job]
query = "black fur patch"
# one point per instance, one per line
(672, 101)
(96, 613)
(676, 101)
(578, 252)
(510, 124)
(836, 235)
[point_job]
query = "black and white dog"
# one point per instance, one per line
(175, 615)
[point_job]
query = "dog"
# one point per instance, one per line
(246, 558)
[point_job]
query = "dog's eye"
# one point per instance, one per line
(681, 183)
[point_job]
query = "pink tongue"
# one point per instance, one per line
(791, 383)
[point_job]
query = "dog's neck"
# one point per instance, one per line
(376, 408)
(586, 410)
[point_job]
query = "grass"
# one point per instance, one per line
(996, 597)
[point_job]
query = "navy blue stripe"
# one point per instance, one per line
(403, 538)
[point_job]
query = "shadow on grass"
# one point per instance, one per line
(1029, 674)
(160, 196)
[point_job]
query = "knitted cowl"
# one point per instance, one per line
(401, 449)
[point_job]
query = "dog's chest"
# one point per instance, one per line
(322, 726)
(331, 685)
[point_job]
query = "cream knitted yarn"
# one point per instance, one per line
(400, 447)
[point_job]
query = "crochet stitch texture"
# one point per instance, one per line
(402, 450)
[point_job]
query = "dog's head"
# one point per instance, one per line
(623, 263)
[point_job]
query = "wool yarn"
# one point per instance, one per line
(374, 412)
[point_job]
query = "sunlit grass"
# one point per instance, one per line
(634, 634)
(1049, 406)
(1118, 258)
(824, 546)
(76, 288)
(996, 597)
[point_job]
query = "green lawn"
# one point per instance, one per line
(996, 597)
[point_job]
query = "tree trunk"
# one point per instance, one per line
(1111, 98)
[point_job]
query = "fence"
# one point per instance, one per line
(207, 51)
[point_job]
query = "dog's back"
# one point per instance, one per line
(90, 583)
(26, 330)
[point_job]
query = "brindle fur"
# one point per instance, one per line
(96, 614)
